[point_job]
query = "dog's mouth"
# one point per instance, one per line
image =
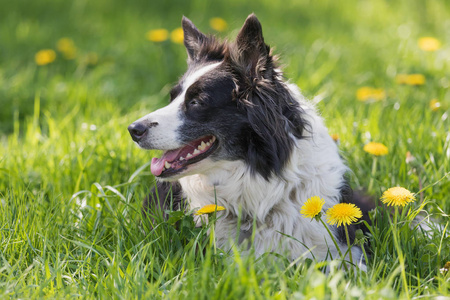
(174, 161)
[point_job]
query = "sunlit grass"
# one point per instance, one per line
(72, 182)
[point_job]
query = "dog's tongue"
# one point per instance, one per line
(158, 163)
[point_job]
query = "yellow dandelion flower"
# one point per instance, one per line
(377, 149)
(343, 214)
(71, 54)
(435, 105)
(177, 36)
(378, 94)
(207, 209)
(67, 47)
(410, 79)
(368, 93)
(64, 44)
(335, 137)
(218, 24)
(157, 35)
(397, 196)
(363, 93)
(429, 43)
(45, 57)
(415, 79)
(312, 207)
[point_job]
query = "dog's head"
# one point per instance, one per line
(231, 104)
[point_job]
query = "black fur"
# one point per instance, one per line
(165, 196)
(201, 48)
(271, 111)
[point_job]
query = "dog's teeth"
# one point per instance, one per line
(196, 152)
(213, 139)
(208, 144)
(181, 158)
(167, 165)
(202, 146)
(188, 155)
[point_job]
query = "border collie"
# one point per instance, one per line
(236, 132)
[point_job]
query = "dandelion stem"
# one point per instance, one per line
(401, 259)
(348, 244)
(364, 252)
(395, 215)
(372, 175)
(212, 237)
(334, 241)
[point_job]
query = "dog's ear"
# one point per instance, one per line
(193, 38)
(250, 52)
(274, 116)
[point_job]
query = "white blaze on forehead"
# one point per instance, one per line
(191, 79)
(164, 135)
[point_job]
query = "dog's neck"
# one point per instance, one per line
(225, 184)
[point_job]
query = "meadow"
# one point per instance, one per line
(75, 74)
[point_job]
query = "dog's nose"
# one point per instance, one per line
(137, 131)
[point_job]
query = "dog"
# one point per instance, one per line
(238, 134)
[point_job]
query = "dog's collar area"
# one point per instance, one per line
(174, 161)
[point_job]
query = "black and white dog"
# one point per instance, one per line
(235, 131)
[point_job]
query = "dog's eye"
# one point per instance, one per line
(195, 103)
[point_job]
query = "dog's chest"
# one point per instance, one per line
(240, 192)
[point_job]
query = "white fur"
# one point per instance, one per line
(314, 169)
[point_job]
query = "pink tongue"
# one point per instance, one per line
(157, 166)
(158, 163)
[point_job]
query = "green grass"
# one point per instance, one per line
(72, 181)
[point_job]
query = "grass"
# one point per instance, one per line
(72, 182)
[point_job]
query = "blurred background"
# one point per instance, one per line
(113, 62)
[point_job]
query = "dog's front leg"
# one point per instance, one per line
(163, 197)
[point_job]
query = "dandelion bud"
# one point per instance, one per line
(360, 238)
